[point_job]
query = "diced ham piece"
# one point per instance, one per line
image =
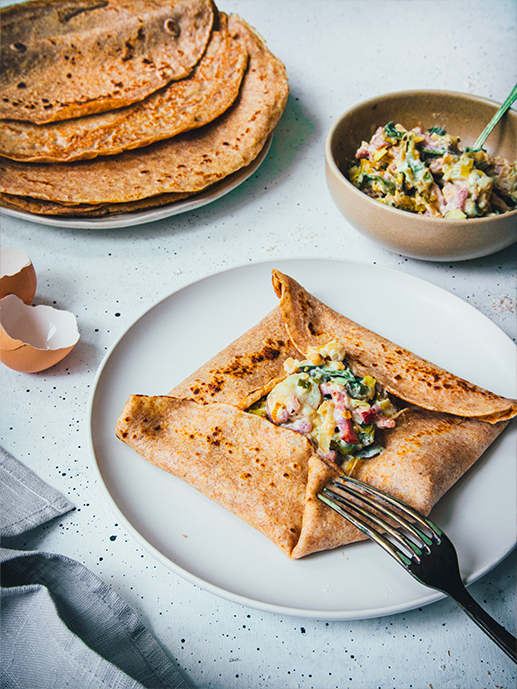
(341, 413)
(455, 196)
(325, 389)
(436, 166)
(431, 144)
(302, 426)
(346, 429)
(368, 150)
(339, 396)
(367, 414)
(330, 455)
(363, 152)
(280, 413)
(384, 422)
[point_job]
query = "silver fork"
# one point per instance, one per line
(415, 542)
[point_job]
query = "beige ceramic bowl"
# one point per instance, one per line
(411, 234)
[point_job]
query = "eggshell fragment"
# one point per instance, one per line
(17, 275)
(35, 338)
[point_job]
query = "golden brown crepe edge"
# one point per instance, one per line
(26, 204)
(404, 374)
(239, 373)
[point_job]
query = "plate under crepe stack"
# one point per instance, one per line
(116, 106)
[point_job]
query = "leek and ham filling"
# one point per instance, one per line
(427, 172)
(324, 400)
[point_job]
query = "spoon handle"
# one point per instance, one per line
(495, 119)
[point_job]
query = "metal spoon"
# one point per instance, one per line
(495, 119)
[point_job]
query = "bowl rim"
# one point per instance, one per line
(390, 209)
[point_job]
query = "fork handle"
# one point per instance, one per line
(493, 629)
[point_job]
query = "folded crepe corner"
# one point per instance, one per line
(270, 476)
(310, 322)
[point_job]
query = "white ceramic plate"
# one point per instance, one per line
(139, 218)
(212, 548)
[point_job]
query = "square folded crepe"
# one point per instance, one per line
(269, 475)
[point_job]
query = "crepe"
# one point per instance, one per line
(65, 58)
(181, 105)
(189, 162)
(270, 476)
(84, 210)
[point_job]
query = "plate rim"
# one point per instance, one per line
(428, 595)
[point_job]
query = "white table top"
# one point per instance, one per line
(337, 53)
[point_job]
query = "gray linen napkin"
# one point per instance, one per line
(26, 500)
(61, 625)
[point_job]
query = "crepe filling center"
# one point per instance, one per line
(335, 409)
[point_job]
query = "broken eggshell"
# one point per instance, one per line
(34, 338)
(17, 275)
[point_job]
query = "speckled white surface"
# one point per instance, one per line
(337, 53)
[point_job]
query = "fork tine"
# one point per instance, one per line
(397, 547)
(408, 511)
(407, 545)
(331, 499)
(352, 488)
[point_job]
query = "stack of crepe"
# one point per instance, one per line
(112, 106)
(269, 475)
